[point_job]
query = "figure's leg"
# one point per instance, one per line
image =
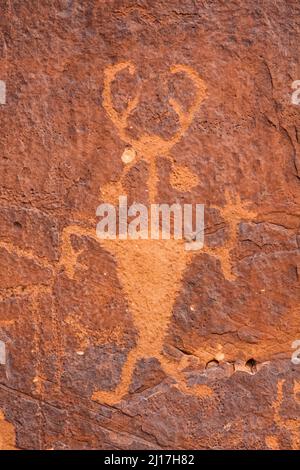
(175, 370)
(114, 396)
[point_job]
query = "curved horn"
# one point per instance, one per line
(186, 117)
(119, 119)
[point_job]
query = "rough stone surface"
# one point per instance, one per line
(112, 345)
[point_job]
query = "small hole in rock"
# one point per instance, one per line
(252, 365)
(212, 363)
(18, 225)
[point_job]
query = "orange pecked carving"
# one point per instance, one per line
(150, 271)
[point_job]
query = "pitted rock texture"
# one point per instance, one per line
(144, 345)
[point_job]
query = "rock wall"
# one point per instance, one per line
(122, 344)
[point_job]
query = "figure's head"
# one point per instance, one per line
(147, 146)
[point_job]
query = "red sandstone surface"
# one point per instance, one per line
(142, 344)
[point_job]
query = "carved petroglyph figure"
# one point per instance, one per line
(292, 426)
(151, 271)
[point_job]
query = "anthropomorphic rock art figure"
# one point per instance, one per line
(292, 426)
(151, 271)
